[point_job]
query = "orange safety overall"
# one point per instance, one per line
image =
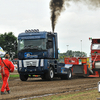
(5, 73)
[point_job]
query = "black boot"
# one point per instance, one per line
(8, 92)
(3, 93)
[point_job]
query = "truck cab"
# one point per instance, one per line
(38, 54)
(41, 45)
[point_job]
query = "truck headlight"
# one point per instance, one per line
(42, 63)
(20, 63)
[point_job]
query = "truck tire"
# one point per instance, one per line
(23, 77)
(67, 76)
(50, 74)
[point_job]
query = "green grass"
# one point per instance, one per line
(16, 75)
(11, 76)
(87, 95)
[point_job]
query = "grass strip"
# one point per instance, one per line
(13, 75)
(86, 95)
(17, 76)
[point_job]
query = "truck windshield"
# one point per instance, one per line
(96, 46)
(37, 44)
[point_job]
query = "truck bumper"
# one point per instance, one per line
(35, 71)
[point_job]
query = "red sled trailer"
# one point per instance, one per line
(86, 66)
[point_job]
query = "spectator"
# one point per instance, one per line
(15, 65)
(7, 66)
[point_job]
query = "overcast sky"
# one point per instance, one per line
(78, 22)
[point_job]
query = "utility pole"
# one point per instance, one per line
(67, 47)
(81, 48)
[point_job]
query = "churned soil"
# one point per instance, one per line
(36, 87)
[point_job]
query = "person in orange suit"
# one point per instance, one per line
(7, 67)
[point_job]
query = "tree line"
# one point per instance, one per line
(8, 41)
(71, 53)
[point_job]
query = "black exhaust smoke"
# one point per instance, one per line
(90, 3)
(56, 6)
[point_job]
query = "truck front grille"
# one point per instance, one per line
(34, 62)
(31, 63)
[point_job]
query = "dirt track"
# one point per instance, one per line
(36, 86)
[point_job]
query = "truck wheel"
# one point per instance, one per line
(23, 77)
(67, 76)
(50, 74)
